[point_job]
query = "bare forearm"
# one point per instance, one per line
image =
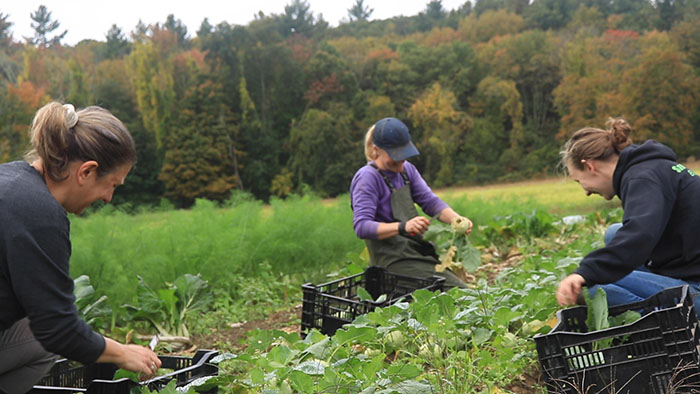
(113, 352)
(447, 215)
(387, 230)
(415, 226)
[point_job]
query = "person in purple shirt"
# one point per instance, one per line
(383, 195)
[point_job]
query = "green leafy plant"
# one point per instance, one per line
(506, 231)
(454, 248)
(597, 319)
(168, 309)
(93, 309)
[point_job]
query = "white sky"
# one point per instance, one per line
(92, 18)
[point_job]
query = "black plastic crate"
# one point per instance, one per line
(656, 354)
(97, 378)
(328, 306)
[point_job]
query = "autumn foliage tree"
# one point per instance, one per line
(151, 70)
(440, 129)
(279, 106)
(661, 94)
(18, 107)
(644, 79)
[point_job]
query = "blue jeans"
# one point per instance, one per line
(641, 284)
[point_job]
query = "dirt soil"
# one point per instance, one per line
(234, 335)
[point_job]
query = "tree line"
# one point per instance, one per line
(280, 106)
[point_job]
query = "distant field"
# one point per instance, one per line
(557, 195)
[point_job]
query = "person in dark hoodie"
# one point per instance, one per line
(657, 245)
(76, 158)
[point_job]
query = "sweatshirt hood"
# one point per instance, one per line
(634, 154)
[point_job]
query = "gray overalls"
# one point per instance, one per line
(406, 255)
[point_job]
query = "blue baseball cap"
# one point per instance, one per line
(392, 135)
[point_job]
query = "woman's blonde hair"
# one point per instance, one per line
(370, 153)
(59, 136)
(592, 143)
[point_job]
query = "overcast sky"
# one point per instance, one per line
(91, 19)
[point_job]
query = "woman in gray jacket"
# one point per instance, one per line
(76, 159)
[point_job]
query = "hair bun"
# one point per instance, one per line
(619, 130)
(71, 116)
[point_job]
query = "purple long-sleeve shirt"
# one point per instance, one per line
(371, 198)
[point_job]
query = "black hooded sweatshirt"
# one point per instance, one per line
(661, 222)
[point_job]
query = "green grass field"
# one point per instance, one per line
(302, 238)
(255, 256)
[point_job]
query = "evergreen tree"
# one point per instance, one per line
(117, 45)
(434, 10)
(551, 14)
(322, 153)
(670, 13)
(359, 12)
(433, 16)
(112, 90)
(298, 19)
(276, 84)
(205, 28)
(43, 25)
(176, 26)
(481, 6)
(5, 33)
(9, 68)
(197, 161)
(140, 32)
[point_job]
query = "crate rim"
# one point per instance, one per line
(684, 293)
(434, 278)
(206, 356)
(202, 355)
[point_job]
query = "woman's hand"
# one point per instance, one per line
(142, 360)
(418, 225)
(133, 358)
(569, 289)
(458, 222)
(461, 224)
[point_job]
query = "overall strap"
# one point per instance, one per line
(406, 181)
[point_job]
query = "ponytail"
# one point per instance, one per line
(369, 145)
(60, 135)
